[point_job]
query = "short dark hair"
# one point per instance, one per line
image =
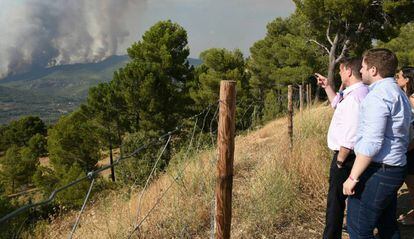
(408, 72)
(355, 63)
(383, 59)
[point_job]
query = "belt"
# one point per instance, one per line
(383, 165)
(351, 152)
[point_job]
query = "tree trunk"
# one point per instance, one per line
(332, 63)
(111, 158)
(317, 92)
(111, 161)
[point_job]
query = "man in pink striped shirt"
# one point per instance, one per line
(341, 138)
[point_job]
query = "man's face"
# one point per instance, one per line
(366, 76)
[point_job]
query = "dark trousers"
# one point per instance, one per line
(336, 199)
(374, 203)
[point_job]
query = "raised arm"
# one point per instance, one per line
(324, 83)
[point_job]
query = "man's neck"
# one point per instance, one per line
(378, 78)
(353, 81)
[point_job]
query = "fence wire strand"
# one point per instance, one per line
(151, 174)
(82, 209)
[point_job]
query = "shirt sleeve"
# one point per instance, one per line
(335, 101)
(350, 124)
(373, 122)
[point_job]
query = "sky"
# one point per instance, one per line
(38, 33)
(218, 23)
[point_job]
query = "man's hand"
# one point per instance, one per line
(349, 187)
(321, 80)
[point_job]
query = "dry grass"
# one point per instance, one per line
(277, 193)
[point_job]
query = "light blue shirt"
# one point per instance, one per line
(384, 123)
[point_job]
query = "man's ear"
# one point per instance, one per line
(374, 71)
(349, 71)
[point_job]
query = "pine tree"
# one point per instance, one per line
(38, 145)
(155, 81)
(17, 167)
(20, 131)
(73, 140)
(403, 45)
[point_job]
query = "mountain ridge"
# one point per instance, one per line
(53, 91)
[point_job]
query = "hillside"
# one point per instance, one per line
(276, 193)
(66, 80)
(51, 92)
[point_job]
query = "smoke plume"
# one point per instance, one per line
(42, 33)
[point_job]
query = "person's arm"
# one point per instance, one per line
(324, 83)
(342, 155)
(411, 145)
(372, 125)
(361, 163)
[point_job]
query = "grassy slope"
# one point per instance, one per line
(276, 193)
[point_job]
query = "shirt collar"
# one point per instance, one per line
(379, 82)
(350, 88)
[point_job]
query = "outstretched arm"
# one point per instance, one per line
(324, 83)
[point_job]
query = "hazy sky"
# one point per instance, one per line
(217, 23)
(46, 32)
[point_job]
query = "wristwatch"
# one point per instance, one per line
(340, 164)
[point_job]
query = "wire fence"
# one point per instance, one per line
(92, 175)
(247, 113)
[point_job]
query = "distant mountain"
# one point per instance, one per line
(50, 92)
(66, 80)
(194, 61)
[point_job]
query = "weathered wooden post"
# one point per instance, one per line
(290, 116)
(300, 98)
(225, 146)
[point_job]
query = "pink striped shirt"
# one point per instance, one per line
(344, 123)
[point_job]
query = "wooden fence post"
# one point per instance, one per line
(300, 98)
(290, 116)
(225, 147)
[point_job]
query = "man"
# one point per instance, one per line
(341, 139)
(381, 144)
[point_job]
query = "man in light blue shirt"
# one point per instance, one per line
(381, 144)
